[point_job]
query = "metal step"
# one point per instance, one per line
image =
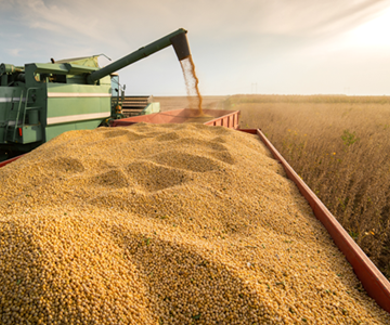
(132, 110)
(131, 102)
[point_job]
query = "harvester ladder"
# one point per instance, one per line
(26, 107)
(17, 116)
(8, 128)
(22, 109)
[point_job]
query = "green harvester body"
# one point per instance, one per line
(40, 101)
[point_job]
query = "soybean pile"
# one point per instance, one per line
(166, 224)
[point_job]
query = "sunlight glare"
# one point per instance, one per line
(374, 33)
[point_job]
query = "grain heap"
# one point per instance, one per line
(166, 224)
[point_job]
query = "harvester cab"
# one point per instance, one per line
(39, 101)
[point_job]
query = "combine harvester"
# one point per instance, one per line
(40, 101)
(34, 99)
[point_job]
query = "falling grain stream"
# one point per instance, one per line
(192, 87)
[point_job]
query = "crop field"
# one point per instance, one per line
(339, 145)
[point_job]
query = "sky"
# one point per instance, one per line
(239, 47)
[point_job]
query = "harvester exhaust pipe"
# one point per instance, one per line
(178, 39)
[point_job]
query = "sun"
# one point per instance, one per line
(374, 33)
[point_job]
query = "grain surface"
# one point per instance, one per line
(166, 224)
